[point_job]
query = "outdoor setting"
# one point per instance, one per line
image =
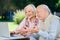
(14, 12)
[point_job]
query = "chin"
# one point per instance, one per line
(41, 19)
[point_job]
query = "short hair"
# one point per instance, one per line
(32, 6)
(46, 7)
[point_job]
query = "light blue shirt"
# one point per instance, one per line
(54, 29)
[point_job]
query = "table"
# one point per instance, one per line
(19, 39)
(13, 38)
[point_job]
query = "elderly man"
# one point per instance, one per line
(50, 23)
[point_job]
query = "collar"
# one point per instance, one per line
(49, 17)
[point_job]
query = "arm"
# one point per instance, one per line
(53, 31)
(20, 26)
(18, 29)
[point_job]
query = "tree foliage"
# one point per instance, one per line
(54, 5)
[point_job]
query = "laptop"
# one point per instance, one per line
(4, 31)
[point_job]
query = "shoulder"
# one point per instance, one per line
(56, 17)
(23, 21)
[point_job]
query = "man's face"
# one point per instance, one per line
(41, 12)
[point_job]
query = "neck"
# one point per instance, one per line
(32, 18)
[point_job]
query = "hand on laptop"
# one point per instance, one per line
(23, 31)
(26, 31)
(12, 33)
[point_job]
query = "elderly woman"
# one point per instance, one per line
(29, 23)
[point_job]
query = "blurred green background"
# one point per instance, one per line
(8, 7)
(11, 5)
(11, 11)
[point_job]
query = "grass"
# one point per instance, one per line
(12, 26)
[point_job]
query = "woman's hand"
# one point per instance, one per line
(23, 31)
(34, 30)
(12, 33)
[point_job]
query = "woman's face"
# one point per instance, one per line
(29, 12)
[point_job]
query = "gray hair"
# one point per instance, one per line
(32, 6)
(46, 7)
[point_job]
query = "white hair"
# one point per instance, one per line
(32, 6)
(46, 7)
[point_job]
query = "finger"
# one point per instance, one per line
(26, 27)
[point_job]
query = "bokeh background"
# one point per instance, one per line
(11, 11)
